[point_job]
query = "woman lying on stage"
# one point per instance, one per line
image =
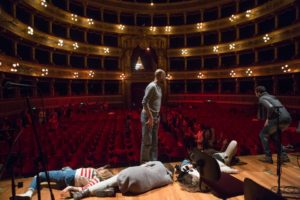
(69, 179)
(189, 176)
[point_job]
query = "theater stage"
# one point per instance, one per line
(264, 174)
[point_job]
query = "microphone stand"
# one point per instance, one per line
(279, 150)
(40, 158)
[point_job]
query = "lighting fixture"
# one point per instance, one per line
(286, 69)
(29, 30)
(60, 43)
(216, 49)
(248, 13)
(266, 38)
(184, 51)
(91, 74)
(232, 46)
(232, 73)
(121, 27)
(90, 21)
(249, 72)
(199, 25)
(14, 67)
(75, 75)
(74, 17)
(44, 3)
(122, 76)
(44, 72)
(200, 75)
(152, 28)
(168, 28)
(75, 45)
(106, 50)
(232, 18)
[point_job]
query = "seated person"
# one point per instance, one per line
(72, 180)
(189, 176)
(132, 180)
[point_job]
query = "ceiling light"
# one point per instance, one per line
(249, 72)
(44, 72)
(216, 49)
(106, 50)
(74, 17)
(232, 46)
(90, 21)
(266, 38)
(29, 30)
(75, 75)
(200, 75)
(60, 43)
(168, 28)
(91, 74)
(286, 69)
(248, 13)
(122, 76)
(184, 52)
(152, 28)
(232, 73)
(199, 26)
(44, 3)
(232, 18)
(121, 27)
(14, 67)
(75, 45)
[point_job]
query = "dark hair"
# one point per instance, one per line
(169, 167)
(260, 89)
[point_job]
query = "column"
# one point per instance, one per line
(67, 5)
(85, 36)
(276, 21)
(237, 33)
(52, 87)
(103, 88)
(68, 60)
(86, 87)
(184, 17)
(237, 6)
(255, 28)
(68, 32)
(69, 87)
(34, 89)
(14, 10)
(32, 20)
(219, 86)
(237, 59)
(85, 62)
(51, 57)
(102, 63)
(50, 27)
(297, 12)
(202, 62)
(84, 9)
(275, 85)
(185, 86)
(219, 61)
(202, 86)
(275, 53)
(237, 86)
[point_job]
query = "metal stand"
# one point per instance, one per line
(40, 158)
(279, 150)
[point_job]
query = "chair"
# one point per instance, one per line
(254, 191)
(220, 184)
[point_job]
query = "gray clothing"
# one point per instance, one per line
(268, 109)
(152, 97)
(143, 178)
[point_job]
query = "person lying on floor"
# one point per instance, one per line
(132, 180)
(69, 179)
(189, 176)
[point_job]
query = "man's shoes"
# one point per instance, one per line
(80, 195)
(284, 159)
(266, 159)
(109, 192)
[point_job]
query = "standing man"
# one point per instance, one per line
(150, 116)
(270, 108)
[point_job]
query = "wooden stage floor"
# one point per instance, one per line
(264, 174)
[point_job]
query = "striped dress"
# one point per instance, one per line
(85, 177)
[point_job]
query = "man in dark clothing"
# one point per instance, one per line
(270, 108)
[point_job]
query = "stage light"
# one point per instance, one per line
(90, 21)
(74, 17)
(168, 28)
(14, 67)
(266, 38)
(184, 52)
(199, 26)
(216, 49)
(60, 43)
(29, 30)
(232, 46)
(44, 3)
(232, 73)
(121, 27)
(249, 72)
(106, 50)
(44, 72)
(200, 75)
(249, 13)
(75, 45)
(152, 28)
(91, 74)
(122, 76)
(232, 18)
(75, 75)
(286, 69)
